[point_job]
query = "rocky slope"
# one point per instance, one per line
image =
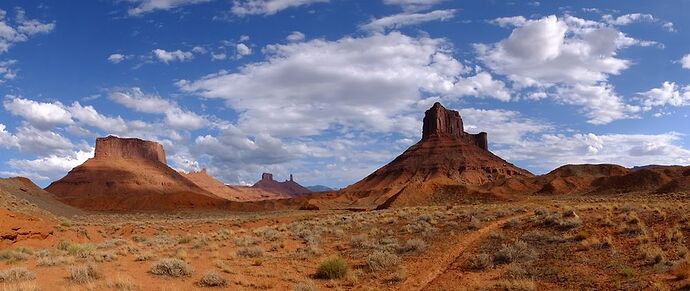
(446, 162)
(231, 192)
(129, 174)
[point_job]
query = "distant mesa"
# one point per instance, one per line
(231, 192)
(289, 187)
(127, 174)
(446, 164)
(320, 188)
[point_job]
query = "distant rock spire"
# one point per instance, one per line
(291, 180)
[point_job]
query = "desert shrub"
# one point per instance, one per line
(308, 251)
(653, 254)
(414, 245)
(479, 262)
(53, 261)
(143, 257)
(171, 267)
(681, 270)
(212, 279)
(382, 260)
(359, 241)
(75, 249)
(246, 241)
(12, 256)
(83, 274)
(475, 223)
(540, 211)
(16, 275)
(250, 252)
(305, 286)
(511, 223)
(269, 234)
(515, 271)
(674, 234)
(515, 285)
(519, 251)
(122, 283)
(104, 257)
(332, 268)
(112, 243)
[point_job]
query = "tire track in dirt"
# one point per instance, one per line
(440, 264)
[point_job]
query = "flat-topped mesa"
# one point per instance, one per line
(442, 122)
(113, 147)
(266, 177)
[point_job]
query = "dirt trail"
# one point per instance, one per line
(441, 263)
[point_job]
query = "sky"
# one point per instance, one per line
(331, 90)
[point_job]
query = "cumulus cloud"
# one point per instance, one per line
(20, 29)
(398, 21)
(7, 71)
(49, 167)
(685, 61)
(370, 82)
(242, 50)
(147, 6)
(267, 7)
(413, 5)
(175, 116)
(627, 19)
(668, 94)
(549, 151)
(568, 58)
(295, 36)
(40, 114)
(116, 58)
(171, 56)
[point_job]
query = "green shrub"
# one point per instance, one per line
(332, 268)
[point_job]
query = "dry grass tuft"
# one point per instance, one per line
(83, 274)
(382, 261)
(212, 279)
(171, 267)
(332, 268)
(15, 275)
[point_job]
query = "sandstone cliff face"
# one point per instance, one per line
(112, 147)
(446, 156)
(129, 174)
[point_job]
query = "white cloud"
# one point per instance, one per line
(510, 21)
(6, 70)
(549, 151)
(669, 27)
(267, 7)
(147, 6)
(685, 61)
(116, 58)
(569, 57)
(295, 36)
(218, 56)
(175, 116)
(50, 167)
(21, 29)
(39, 114)
(242, 50)
(668, 94)
(89, 116)
(406, 19)
(7, 140)
(171, 56)
(413, 5)
(371, 82)
(42, 142)
(628, 18)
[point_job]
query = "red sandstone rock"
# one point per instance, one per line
(231, 192)
(129, 174)
(446, 156)
(112, 147)
(289, 187)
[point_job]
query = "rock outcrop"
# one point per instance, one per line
(446, 164)
(129, 174)
(231, 192)
(112, 147)
(289, 187)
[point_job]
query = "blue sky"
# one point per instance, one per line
(332, 90)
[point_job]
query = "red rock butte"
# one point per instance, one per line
(129, 148)
(289, 187)
(446, 160)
